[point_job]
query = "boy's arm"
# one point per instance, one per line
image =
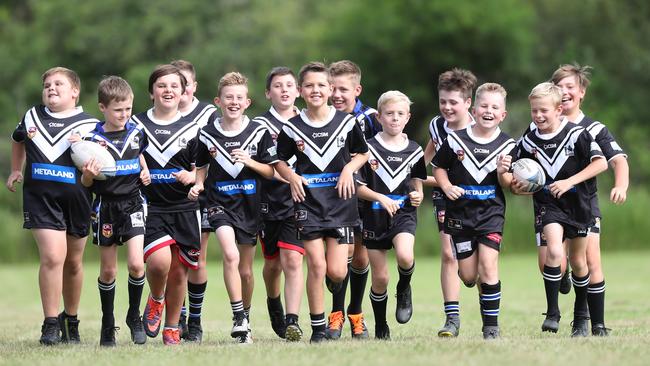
(17, 163)
(503, 170)
(242, 156)
(197, 188)
(145, 177)
(346, 185)
(429, 152)
(597, 166)
(369, 195)
(451, 191)
(416, 195)
(296, 182)
(618, 195)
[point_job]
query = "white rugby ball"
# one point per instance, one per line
(530, 172)
(83, 151)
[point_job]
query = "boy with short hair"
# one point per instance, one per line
(571, 160)
(454, 100)
(197, 281)
(329, 147)
(573, 79)
(233, 154)
(471, 168)
(346, 80)
(392, 184)
(56, 205)
(119, 208)
(282, 250)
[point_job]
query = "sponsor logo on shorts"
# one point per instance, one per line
(31, 132)
(216, 210)
(321, 180)
(463, 247)
(455, 224)
(246, 186)
(160, 176)
(194, 252)
(479, 192)
(137, 219)
(264, 208)
(460, 154)
(300, 215)
(127, 167)
(54, 173)
(367, 234)
(107, 230)
(26, 216)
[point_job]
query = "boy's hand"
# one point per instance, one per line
(241, 156)
(296, 182)
(184, 177)
(345, 185)
(145, 177)
(15, 177)
(195, 191)
(453, 192)
(503, 163)
(91, 169)
(517, 187)
(559, 187)
(391, 206)
(618, 195)
(74, 138)
(416, 198)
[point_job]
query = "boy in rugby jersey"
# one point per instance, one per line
(346, 79)
(329, 147)
(392, 184)
(282, 250)
(56, 206)
(197, 281)
(173, 234)
(454, 100)
(233, 154)
(119, 209)
(571, 159)
(573, 79)
(471, 167)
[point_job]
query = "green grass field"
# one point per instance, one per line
(627, 313)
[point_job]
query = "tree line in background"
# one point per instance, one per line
(400, 45)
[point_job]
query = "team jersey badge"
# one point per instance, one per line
(374, 164)
(213, 151)
(300, 145)
(31, 132)
(460, 154)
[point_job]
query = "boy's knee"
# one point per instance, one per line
(136, 269)
(337, 274)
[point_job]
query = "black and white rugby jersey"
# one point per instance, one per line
(389, 171)
(171, 147)
(233, 189)
(366, 118)
(276, 202)
(49, 167)
(562, 154)
(200, 112)
(471, 163)
(125, 147)
(321, 151)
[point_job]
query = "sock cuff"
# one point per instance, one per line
(197, 288)
(491, 289)
(105, 286)
(378, 297)
(552, 274)
(406, 271)
(579, 281)
(359, 271)
(317, 319)
(138, 281)
(596, 288)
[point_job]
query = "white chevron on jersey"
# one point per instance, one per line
(202, 117)
(321, 156)
(439, 133)
(133, 134)
(53, 146)
(223, 157)
(553, 164)
(393, 178)
(479, 169)
(162, 152)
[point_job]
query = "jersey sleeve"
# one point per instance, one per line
(419, 169)
(587, 147)
(20, 132)
(202, 153)
(443, 157)
(608, 144)
(266, 149)
(144, 141)
(357, 141)
(286, 147)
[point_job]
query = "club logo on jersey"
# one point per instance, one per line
(569, 151)
(101, 143)
(31, 132)
(460, 154)
(107, 230)
(534, 152)
(137, 219)
(300, 145)
(374, 164)
(213, 151)
(182, 142)
(340, 142)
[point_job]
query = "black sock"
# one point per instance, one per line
(107, 297)
(596, 299)
(552, 277)
(358, 279)
(452, 308)
(195, 294)
(490, 302)
(136, 285)
(274, 303)
(379, 302)
(404, 277)
(291, 318)
(317, 322)
(338, 298)
(580, 287)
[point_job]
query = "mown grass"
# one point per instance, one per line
(627, 312)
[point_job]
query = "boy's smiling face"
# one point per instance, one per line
(545, 114)
(345, 93)
(453, 106)
(572, 94)
(233, 101)
(283, 91)
(117, 113)
(58, 93)
(316, 89)
(489, 110)
(167, 91)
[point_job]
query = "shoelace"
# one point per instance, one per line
(156, 310)
(336, 320)
(357, 326)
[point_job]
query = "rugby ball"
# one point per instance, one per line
(83, 151)
(530, 172)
